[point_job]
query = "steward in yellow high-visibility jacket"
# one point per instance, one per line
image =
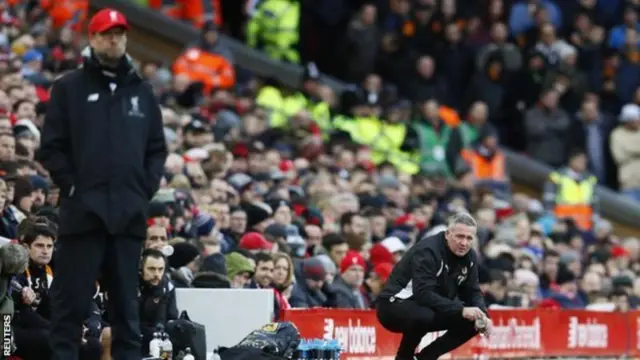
(274, 29)
(282, 105)
(385, 138)
(570, 192)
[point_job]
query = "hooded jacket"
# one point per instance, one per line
(103, 144)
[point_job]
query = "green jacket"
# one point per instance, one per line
(438, 149)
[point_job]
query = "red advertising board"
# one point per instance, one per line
(516, 333)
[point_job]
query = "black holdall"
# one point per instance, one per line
(188, 334)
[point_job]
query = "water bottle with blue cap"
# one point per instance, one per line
(303, 350)
(320, 345)
(335, 347)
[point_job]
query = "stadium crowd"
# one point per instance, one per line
(317, 195)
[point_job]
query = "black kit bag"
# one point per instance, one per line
(274, 340)
(186, 333)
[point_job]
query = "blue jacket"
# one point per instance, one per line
(617, 36)
(520, 19)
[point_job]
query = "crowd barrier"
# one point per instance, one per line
(516, 334)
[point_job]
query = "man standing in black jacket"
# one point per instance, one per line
(103, 144)
(435, 287)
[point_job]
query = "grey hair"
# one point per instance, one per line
(463, 218)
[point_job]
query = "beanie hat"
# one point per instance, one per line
(380, 254)
(254, 241)
(39, 183)
(329, 266)
(203, 224)
(313, 269)
(352, 258)
(214, 263)
(158, 209)
(183, 253)
(236, 264)
(383, 270)
(22, 188)
(257, 213)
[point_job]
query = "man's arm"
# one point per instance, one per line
(55, 149)
(470, 292)
(426, 269)
(156, 152)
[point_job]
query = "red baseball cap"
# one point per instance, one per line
(254, 241)
(106, 19)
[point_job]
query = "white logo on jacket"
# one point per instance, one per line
(135, 108)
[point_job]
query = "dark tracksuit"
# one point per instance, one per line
(103, 144)
(426, 292)
(32, 327)
(157, 306)
(31, 324)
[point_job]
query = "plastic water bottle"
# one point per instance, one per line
(303, 350)
(166, 350)
(154, 345)
(215, 355)
(319, 345)
(188, 355)
(334, 349)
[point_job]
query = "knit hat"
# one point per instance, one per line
(276, 231)
(313, 269)
(214, 263)
(254, 241)
(203, 224)
(383, 270)
(22, 189)
(257, 213)
(380, 254)
(565, 276)
(236, 264)
(329, 266)
(158, 209)
(352, 258)
(39, 183)
(183, 253)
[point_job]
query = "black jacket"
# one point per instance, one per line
(157, 306)
(433, 276)
(103, 144)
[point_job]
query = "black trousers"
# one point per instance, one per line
(414, 321)
(80, 260)
(32, 344)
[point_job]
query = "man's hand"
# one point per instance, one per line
(28, 295)
(84, 334)
(486, 331)
(472, 313)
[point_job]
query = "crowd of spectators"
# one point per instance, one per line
(555, 80)
(313, 214)
(507, 70)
